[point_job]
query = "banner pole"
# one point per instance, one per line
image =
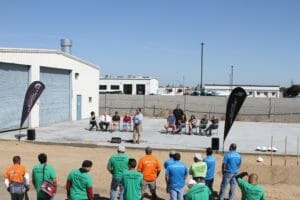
(271, 150)
(19, 137)
(285, 150)
(297, 150)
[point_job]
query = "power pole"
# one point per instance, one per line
(201, 80)
(231, 77)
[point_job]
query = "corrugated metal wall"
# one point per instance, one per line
(55, 102)
(13, 86)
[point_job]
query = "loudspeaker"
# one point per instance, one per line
(31, 134)
(215, 143)
(116, 140)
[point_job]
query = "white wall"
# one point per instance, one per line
(86, 84)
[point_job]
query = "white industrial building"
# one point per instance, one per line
(128, 85)
(71, 91)
(263, 91)
(173, 90)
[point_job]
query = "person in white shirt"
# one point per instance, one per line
(105, 120)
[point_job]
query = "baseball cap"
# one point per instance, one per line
(121, 148)
(198, 156)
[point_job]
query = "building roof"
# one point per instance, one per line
(49, 51)
(241, 85)
(127, 78)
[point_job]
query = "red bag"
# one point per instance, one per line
(48, 188)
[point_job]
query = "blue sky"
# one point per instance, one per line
(162, 38)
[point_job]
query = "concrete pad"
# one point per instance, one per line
(247, 135)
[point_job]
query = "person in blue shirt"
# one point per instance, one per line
(170, 160)
(137, 128)
(211, 164)
(230, 167)
(176, 174)
(171, 122)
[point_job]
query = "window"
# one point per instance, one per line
(169, 90)
(114, 87)
(266, 94)
(90, 99)
(102, 87)
(76, 75)
(258, 93)
(273, 93)
(179, 90)
(250, 93)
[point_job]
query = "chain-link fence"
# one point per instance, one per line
(254, 109)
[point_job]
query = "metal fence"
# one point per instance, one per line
(254, 109)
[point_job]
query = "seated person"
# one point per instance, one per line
(182, 123)
(115, 121)
(93, 121)
(214, 125)
(171, 122)
(192, 123)
(105, 120)
(126, 122)
(203, 123)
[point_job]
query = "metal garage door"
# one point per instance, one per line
(55, 102)
(13, 86)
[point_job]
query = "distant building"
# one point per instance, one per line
(131, 85)
(71, 91)
(263, 91)
(173, 90)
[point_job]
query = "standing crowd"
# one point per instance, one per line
(131, 178)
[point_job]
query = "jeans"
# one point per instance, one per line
(209, 184)
(176, 194)
(113, 189)
(228, 178)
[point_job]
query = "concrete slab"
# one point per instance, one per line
(247, 135)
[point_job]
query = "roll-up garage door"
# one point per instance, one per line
(55, 102)
(13, 86)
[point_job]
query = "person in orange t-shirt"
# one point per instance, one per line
(17, 179)
(150, 167)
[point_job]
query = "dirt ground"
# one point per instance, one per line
(280, 182)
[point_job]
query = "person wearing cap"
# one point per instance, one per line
(197, 191)
(132, 182)
(230, 167)
(150, 167)
(116, 165)
(198, 169)
(210, 161)
(250, 189)
(79, 182)
(16, 179)
(175, 176)
(170, 160)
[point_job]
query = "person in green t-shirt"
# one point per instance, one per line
(79, 183)
(198, 169)
(116, 165)
(43, 172)
(197, 191)
(132, 182)
(250, 189)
